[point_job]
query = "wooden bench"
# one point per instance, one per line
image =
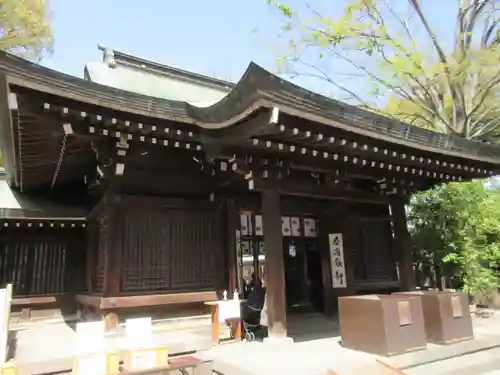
(180, 364)
(109, 308)
(43, 306)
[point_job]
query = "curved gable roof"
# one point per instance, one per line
(256, 89)
(141, 76)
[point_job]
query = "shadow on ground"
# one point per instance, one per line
(315, 326)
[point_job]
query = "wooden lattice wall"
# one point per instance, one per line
(43, 261)
(156, 246)
(170, 250)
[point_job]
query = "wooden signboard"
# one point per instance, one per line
(339, 279)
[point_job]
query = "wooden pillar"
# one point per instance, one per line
(115, 215)
(275, 267)
(232, 263)
(92, 254)
(113, 260)
(403, 245)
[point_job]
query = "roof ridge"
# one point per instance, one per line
(114, 58)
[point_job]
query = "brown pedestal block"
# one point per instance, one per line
(446, 315)
(382, 324)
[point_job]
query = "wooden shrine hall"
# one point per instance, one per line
(183, 202)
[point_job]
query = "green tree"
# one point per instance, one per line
(456, 228)
(448, 88)
(25, 28)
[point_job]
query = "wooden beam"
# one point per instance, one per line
(259, 182)
(8, 108)
(44, 300)
(307, 158)
(404, 182)
(112, 122)
(335, 140)
(92, 126)
(121, 302)
(451, 171)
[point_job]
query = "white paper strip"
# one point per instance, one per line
(310, 228)
(262, 248)
(250, 224)
(245, 248)
(247, 271)
(259, 229)
(244, 224)
(285, 226)
(337, 260)
(295, 223)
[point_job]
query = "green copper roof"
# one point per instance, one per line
(133, 74)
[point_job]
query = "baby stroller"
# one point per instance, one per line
(251, 314)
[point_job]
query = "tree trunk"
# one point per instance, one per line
(438, 275)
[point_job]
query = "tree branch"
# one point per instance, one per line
(456, 97)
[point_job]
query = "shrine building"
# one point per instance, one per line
(143, 188)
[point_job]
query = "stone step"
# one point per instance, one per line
(478, 363)
(174, 324)
(21, 324)
(158, 324)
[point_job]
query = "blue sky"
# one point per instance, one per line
(213, 37)
(209, 37)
